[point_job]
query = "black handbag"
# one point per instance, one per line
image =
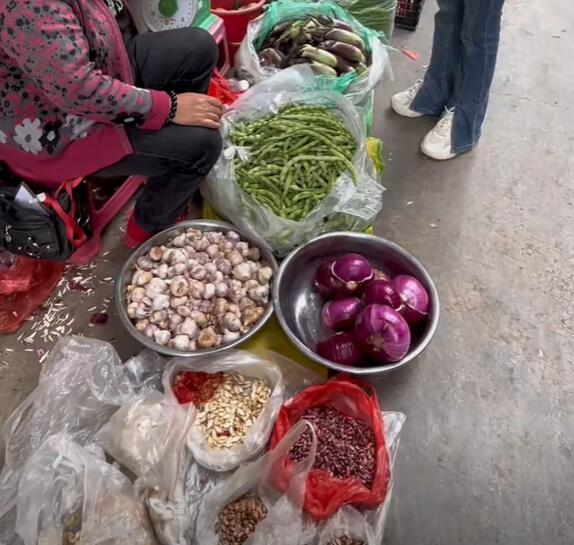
(53, 235)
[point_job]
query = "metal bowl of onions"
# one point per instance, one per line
(197, 288)
(364, 303)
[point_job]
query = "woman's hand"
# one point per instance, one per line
(198, 110)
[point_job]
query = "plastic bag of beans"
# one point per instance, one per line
(352, 463)
(349, 526)
(248, 508)
(237, 397)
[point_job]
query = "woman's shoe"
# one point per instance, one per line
(402, 102)
(437, 144)
(135, 236)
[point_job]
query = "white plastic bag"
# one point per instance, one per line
(146, 368)
(81, 384)
(147, 436)
(249, 365)
(348, 206)
(69, 495)
(354, 88)
(284, 523)
(369, 525)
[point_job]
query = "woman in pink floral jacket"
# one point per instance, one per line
(81, 93)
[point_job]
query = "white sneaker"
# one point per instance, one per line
(437, 144)
(401, 102)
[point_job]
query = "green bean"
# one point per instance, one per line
(284, 178)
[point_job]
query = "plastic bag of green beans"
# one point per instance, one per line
(355, 87)
(299, 189)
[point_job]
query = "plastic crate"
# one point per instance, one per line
(408, 13)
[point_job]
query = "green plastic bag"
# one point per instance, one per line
(355, 88)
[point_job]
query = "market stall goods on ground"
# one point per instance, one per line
(232, 410)
(237, 520)
(330, 46)
(179, 450)
(198, 290)
(295, 158)
(370, 313)
(347, 56)
(87, 400)
(295, 163)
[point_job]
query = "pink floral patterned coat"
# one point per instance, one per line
(66, 89)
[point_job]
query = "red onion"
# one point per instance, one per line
(382, 333)
(325, 281)
(354, 272)
(383, 293)
(341, 313)
(340, 348)
(414, 297)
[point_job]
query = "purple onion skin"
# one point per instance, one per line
(414, 298)
(382, 333)
(382, 292)
(325, 282)
(354, 272)
(340, 314)
(340, 348)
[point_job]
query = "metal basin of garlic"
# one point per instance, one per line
(198, 287)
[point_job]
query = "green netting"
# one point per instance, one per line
(377, 15)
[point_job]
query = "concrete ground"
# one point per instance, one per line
(486, 455)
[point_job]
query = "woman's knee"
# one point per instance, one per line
(212, 148)
(201, 45)
(201, 149)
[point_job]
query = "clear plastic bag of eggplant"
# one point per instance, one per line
(346, 56)
(295, 164)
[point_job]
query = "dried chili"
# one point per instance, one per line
(196, 387)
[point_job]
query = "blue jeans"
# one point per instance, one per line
(462, 64)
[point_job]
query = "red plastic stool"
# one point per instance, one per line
(217, 31)
(102, 217)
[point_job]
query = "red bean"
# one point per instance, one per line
(345, 445)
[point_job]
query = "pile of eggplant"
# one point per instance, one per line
(329, 45)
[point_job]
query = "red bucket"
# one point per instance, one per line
(236, 15)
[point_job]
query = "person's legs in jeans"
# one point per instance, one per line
(176, 158)
(480, 39)
(439, 80)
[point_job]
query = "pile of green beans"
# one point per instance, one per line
(296, 156)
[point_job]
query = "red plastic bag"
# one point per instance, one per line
(219, 88)
(23, 288)
(325, 494)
